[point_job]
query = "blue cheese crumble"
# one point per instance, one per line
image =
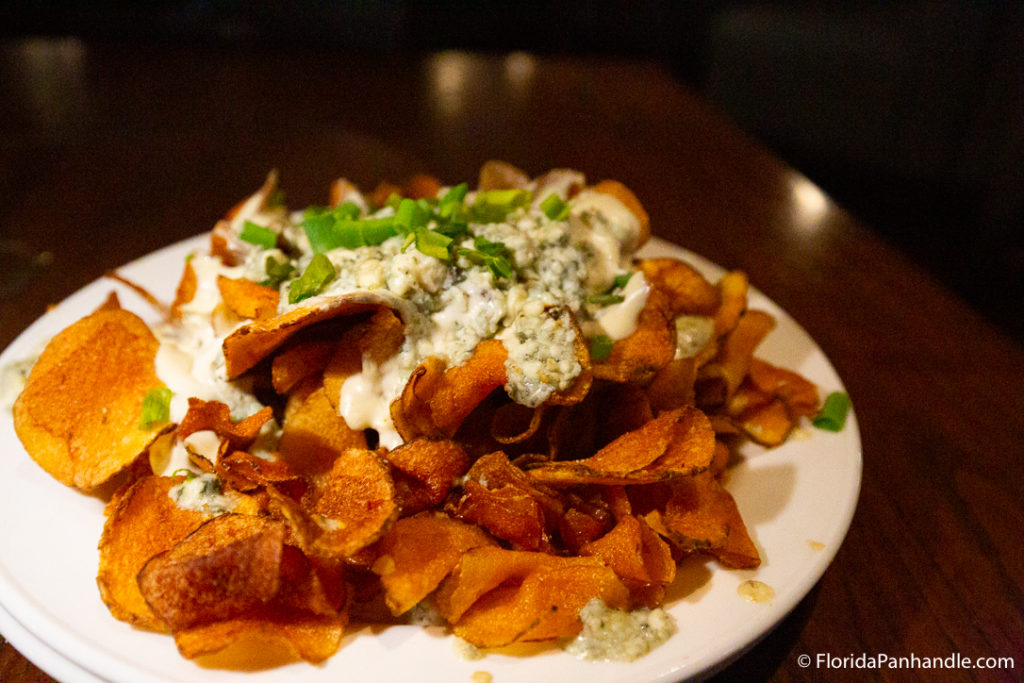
(616, 635)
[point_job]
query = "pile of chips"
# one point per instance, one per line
(504, 520)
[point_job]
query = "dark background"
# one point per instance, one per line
(909, 114)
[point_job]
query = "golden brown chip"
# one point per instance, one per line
(377, 339)
(251, 343)
(222, 236)
(718, 380)
(500, 175)
(418, 552)
(143, 521)
(425, 471)
(186, 290)
(216, 416)
(79, 413)
(312, 433)
(799, 394)
(689, 293)
(266, 639)
(496, 597)
(650, 347)
(298, 362)
(354, 503)
(227, 567)
(733, 291)
(677, 443)
(248, 299)
(637, 555)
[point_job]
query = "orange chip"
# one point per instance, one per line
(216, 416)
(298, 362)
(725, 373)
(425, 472)
(651, 346)
(142, 522)
(78, 415)
(495, 597)
(249, 344)
(636, 553)
(676, 443)
(672, 386)
(732, 289)
(266, 639)
(227, 567)
(247, 299)
(354, 503)
(377, 339)
(500, 175)
(799, 394)
(417, 553)
(312, 432)
(689, 293)
(186, 291)
(508, 512)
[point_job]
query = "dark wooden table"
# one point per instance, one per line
(108, 152)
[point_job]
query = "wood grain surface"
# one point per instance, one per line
(108, 152)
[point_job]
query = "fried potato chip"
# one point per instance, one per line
(79, 413)
(500, 175)
(186, 290)
(247, 299)
(267, 639)
(425, 471)
(227, 567)
(243, 471)
(507, 512)
(298, 362)
(677, 443)
(496, 597)
(650, 347)
(312, 432)
(376, 339)
(689, 293)
(799, 394)
(417, 553)
(637, 555)
(732, 289)
(222, 237)
(718, 380)
(435, 401)
(216, 417)
(142, 521)
(252, 342)
(354, 503)
(672, 386)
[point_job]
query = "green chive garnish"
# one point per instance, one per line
(554, 208)
(621, 280)
(494, 205)
(832, 416)
(318, 273)
(601, 347)
(156, 407)
(277, 272)
(605, 299)
(433, 243)
(410, 215)
(258, 235)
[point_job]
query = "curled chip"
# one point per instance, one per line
(677, 443)
(417, 553)
(354, 503)
(216, 417)
(248, 299)
(79, 413)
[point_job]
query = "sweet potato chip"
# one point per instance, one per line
(377, 339)
(500, 175)
(216, 417)
(266, 639)
(186, 290)
(312, 432)
(354, 503)
(298, 362)
(630, 201)
(732, 289)
(425, 471)
(799, 394)
(638, 357)
(718, 380)
(636, 553)
(252, 342)
(227, 567)
(496, 597)
(142, 521)
(418, 552)
(676, 443)
(435, 403)
(247, 299)
(688, 291)
(79, 413)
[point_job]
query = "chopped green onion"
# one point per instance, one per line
(601, 347)
(156, 407)
(319, 228)
(433, 243)
(832, 415)
(314, 210)
(621, 280)
(318, 273)
(554, 208)
(184, 472)
(338, 229)
(348, 211)
(189, 256)
(410, 216)
(605, 299)
(277, 272)
(455, 195)
(494, 205)
(258, 235)
(494, 255)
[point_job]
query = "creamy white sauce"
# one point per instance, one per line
(618, 321)
(611, 634)
(12, 380)
(693, 332)
(202, 493)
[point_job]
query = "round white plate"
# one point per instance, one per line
(797, 501)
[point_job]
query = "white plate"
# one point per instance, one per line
(797, 501)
